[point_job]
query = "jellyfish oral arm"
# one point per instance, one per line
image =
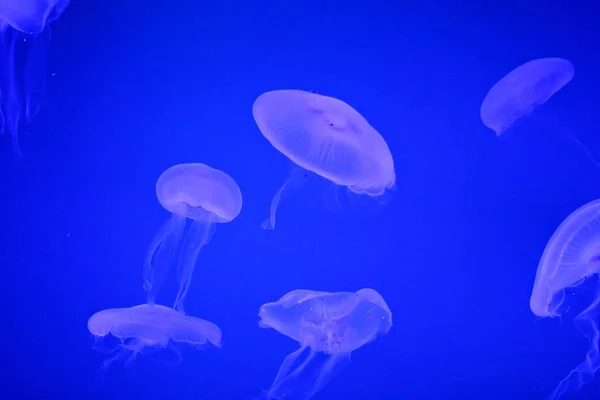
(334, 364)
(297, 177)
(585, 372)
(292, 376)
(199, 233)
(286, 368)
(161, 255)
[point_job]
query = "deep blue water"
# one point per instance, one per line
(138, 87)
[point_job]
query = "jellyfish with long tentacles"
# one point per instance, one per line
(24, 38)
(325, 137)
(198, 197)
(571, 257)
(328, 326)
(521, 93)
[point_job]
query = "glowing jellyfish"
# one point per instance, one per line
(324, 324)
(522, 90)
(23, 43)
(325, 136)
(198, 197)
(149, 328)
(571, 256)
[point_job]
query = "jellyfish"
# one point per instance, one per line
(198, 197)
(324, 136)
(325, 324)
(522, 91)
(571, 256)
(147, 328)
(24, 39)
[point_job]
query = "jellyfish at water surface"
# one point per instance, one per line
(24, 39)
(571, 256)
(198, 197)
(328, 326)
(324, 136)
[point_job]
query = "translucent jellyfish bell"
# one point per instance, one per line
(31, 16)
(522, 91)
(23, 44)
(198, 197)
(572, 255)
(325, 136)
(148, 328)
(332, 324)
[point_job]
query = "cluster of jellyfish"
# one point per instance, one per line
(572, 255)
(24, 38)
(324, 137)
(321, 135)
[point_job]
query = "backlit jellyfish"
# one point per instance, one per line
(324, 136)
(571, 256)
(148, 328)
(326, 325)
(23, 43)
(198, 197)
(524, 89)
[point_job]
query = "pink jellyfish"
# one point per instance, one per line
(332, 324)
(327, 137)
(571, 256)
(23, 43)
